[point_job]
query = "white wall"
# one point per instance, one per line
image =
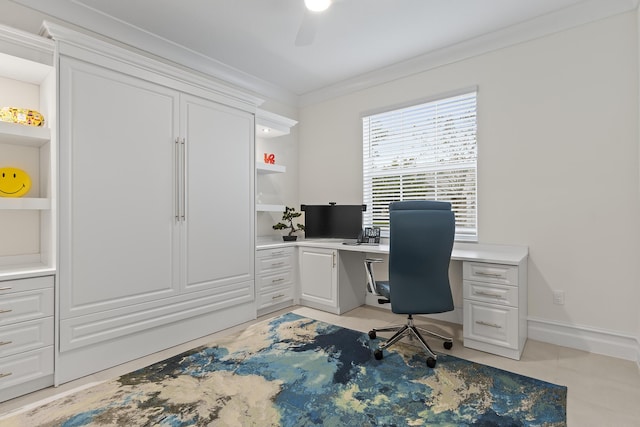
(558, 162)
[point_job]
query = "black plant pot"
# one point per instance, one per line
(289, 238)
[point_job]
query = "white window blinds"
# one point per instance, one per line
(422, 152)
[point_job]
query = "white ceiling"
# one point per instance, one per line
(353, 38)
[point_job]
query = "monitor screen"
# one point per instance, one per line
(332, 221)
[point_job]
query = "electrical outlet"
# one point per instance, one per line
(558, 297)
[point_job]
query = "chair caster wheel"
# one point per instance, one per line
(377, 354)
(372, 334)
(448, 345)
(431, 362)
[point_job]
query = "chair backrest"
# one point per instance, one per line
(420, 243)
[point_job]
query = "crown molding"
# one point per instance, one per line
(75, 12)
(570, 17)
(26, 45)
(77, 43)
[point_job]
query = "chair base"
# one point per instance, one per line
(415, 332)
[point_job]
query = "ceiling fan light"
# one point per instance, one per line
(317, 5)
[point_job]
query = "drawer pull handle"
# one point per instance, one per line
(492, 325)
(5, 342)
(277, 296)
(6, 288)
(277, 264)
(5, 375)
(277, 253)
(489, 294)
(5, 311)
(487, 274)
(278, 280)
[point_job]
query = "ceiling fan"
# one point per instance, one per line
(309, 26)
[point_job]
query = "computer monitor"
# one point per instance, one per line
(332, 221)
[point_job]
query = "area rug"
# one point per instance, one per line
(295, 371)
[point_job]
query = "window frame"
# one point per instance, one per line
(407, 166)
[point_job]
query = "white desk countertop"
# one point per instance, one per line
(462, 251)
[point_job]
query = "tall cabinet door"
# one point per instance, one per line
(218, 229)
(118, 198)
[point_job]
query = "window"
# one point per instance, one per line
(426, 151)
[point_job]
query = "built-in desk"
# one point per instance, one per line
(332, 278)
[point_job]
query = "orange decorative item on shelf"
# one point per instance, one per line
(270, 158)
(21, 116)
(14, 182)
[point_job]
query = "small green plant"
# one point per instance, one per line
(288, 216)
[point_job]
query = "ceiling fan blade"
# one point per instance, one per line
(308, 28)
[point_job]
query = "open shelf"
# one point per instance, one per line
(25, 203)
(14, 133)
(269, 208)
(266, 168)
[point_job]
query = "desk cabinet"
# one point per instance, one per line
(332, 280)
(26, 335)
(495, 308)
(275, 284)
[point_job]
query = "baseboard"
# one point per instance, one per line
(593, 340)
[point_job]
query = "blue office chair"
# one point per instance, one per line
(420, 243)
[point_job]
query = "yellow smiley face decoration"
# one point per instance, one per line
(14, 182)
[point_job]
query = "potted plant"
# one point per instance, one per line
(287, 223)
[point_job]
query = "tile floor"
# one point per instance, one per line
(603, 391)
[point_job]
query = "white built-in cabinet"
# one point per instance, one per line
(328, 279)
(27, 224)
(156, 206)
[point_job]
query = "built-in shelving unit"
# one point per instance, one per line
(27, 224)
(269, 126)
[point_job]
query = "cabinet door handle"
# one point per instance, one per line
(277, 296)
(177, 189)
(334, 258)
(487, 274)
(488, 294)
(6, 288)
(5, 375)
(491, 325)
(184, 179)
(5, 311)
(5, 342)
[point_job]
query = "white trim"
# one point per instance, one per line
(585, 338)
(78, 44)
(27, 46)
(100, 23)
(570, 17)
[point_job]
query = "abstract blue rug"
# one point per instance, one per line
(294, 371)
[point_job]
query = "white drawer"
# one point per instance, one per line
(20, 285)
(497, 325)
(493, 273)
(264, 265)
(491, 293)
(268, 281)
(23, 367)
(275, 296)
(26, 336)
(29, 305)
(276, 252)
